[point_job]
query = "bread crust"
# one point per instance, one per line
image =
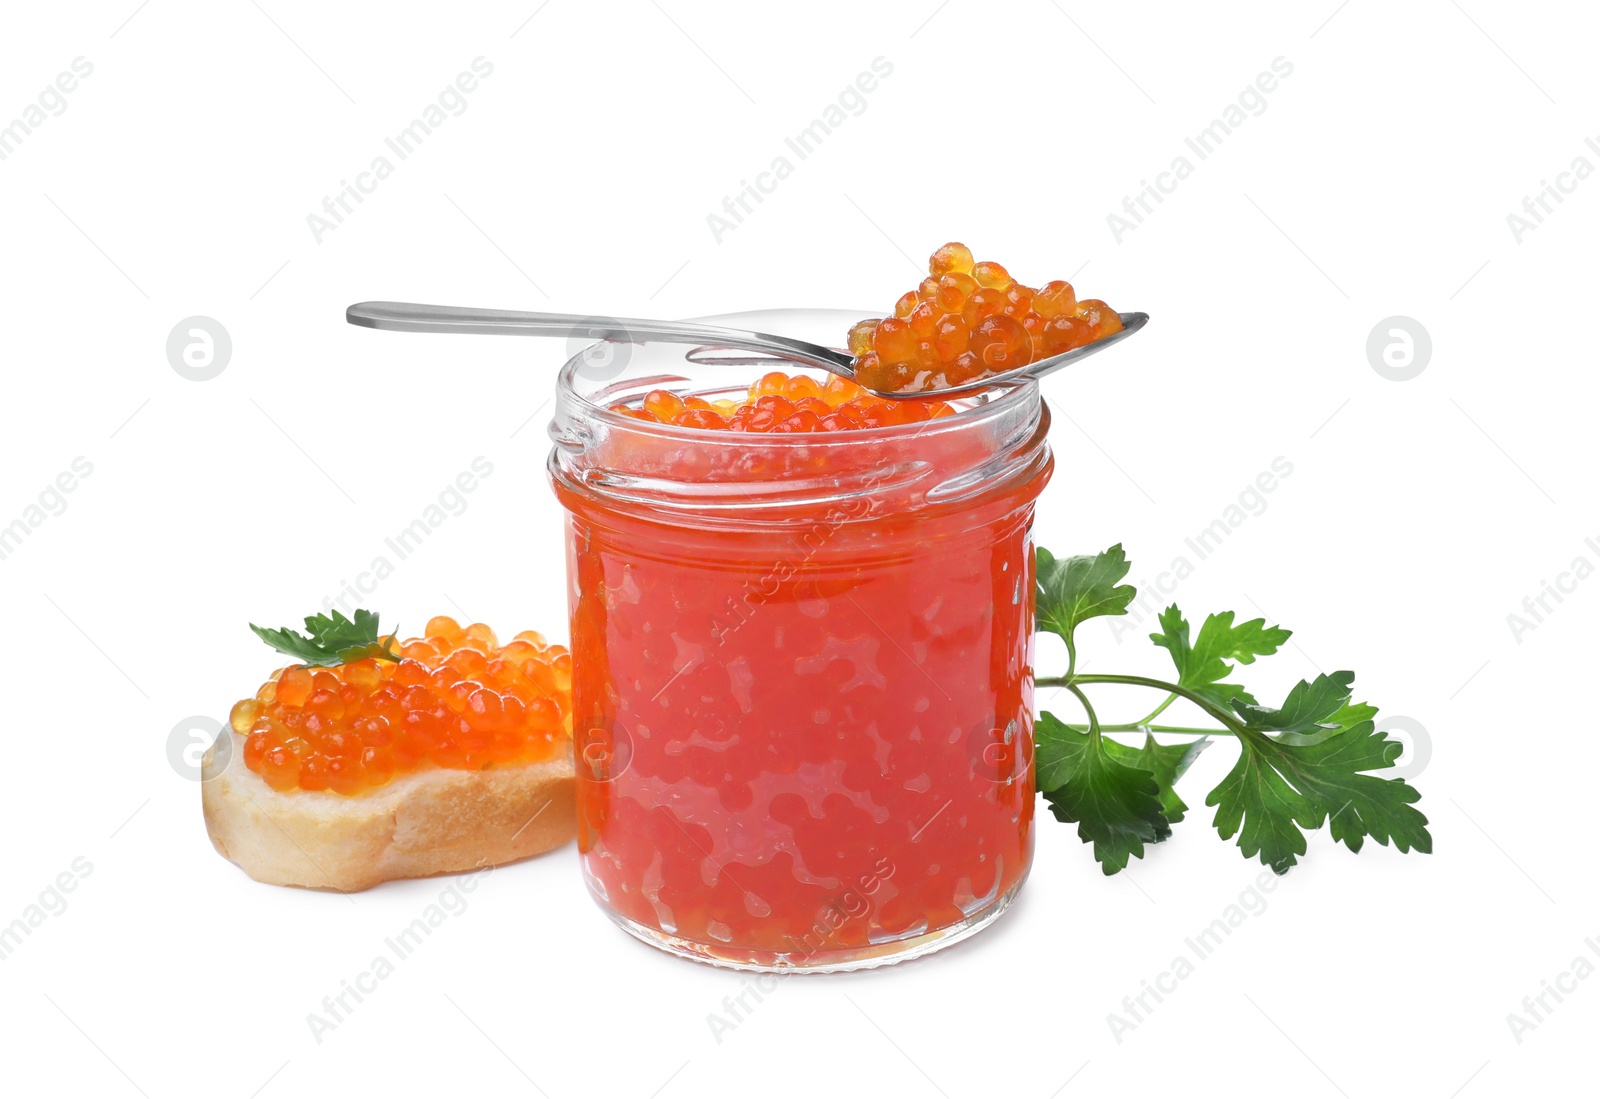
(434, 821)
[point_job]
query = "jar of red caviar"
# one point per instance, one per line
(802, 663)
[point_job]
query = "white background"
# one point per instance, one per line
(1419, 514)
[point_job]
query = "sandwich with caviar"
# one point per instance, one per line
(369, 759)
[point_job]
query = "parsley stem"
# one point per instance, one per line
(1094, 721)
(1155, 713)
(1217, 713)
(1146, 727)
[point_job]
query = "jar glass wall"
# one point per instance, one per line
(802, 694)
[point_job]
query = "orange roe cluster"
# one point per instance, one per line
(779, 403)
(968, 321)
(457, 699)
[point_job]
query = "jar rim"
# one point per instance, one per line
(984, 402)
(994, 438)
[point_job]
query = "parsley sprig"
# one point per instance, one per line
(333, 639)
(1301, 765)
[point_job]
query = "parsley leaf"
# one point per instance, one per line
(1166, 762)
(1074, 589)
(1316, 759)
(1116, 807)
(1202, 666)
(1315, 772)
(1334, 771)
(1310, 706)
(1345, 717)
(1256, 802)
(334, 639)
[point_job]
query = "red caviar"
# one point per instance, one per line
(802, 697)
(782, 403)
(968, 321)
(457, 699)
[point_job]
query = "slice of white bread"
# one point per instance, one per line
(433, 821)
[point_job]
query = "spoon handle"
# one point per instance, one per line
(398, 316)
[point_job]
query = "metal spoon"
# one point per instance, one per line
(398, 316)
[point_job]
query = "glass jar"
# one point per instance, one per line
(802, 686)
